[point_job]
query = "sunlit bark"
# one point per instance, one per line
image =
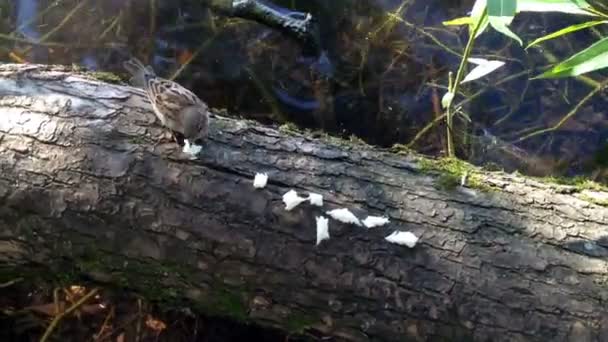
(84, 188)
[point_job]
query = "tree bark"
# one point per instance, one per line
(84, 188)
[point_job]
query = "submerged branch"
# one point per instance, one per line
(299, 25)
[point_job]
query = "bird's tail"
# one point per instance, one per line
(140, 73)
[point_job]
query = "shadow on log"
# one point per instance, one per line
(83, 188)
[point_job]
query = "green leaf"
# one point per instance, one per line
(500, 25)
(502, 8)
(567, 30)
(565, 6)
(501, 14)
(599, 5)
(479, 17)
(458, 21)
(483, 68)
(446, 99)
(594, 57)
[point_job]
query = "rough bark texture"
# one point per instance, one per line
(82, 185)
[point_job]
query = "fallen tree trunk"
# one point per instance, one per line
(83, 187)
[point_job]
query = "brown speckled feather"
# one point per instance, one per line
(176, 107)
(170, 98)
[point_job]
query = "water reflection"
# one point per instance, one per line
(378, 72)
(26, 11)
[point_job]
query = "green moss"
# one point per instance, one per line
(143, 277)
(579, 182)
(356, 140)
(107, 77)
(96, 261)
(337, 141)
(226, 303)
(451, 171)
(78, 68)
(322, 136)
(161, 282)
(603, 203)
(447, 181)
(66, 276)
(452, 166)
(58, 274)
(289, 127)
(352, 141)
(134, 274)
(299, 322)
(138, 140)
(401, 149)
(492, 166)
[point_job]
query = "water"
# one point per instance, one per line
(26, 10)
(373, 76)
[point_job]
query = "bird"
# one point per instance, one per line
(177, 108)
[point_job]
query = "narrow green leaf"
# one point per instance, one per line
(458, 21)
(500, 25)
(479, 17)
(501, 14)
(599, 5)
(565, 6)
(567, 30)
(594, 57)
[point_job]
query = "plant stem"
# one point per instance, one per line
(60, 316)
(454, 88)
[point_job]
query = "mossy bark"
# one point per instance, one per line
(84, 190)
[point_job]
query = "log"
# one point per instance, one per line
(84, 190)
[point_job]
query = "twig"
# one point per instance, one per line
(425, 129)
(104, 324)
(567, 116)
(270, 100)
(33, 19)
(152, 17)
(393, 18)
(10, 282)
(428, 35)
(64, 21)
(138, 323)
(69, 310)
(181, 68)
(123, 324)
(57, 44)
(56, 300)
(111, 26)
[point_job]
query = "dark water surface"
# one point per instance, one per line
(380, 71)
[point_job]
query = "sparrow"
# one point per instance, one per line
(177, 108)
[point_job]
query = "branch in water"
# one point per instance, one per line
(299, 25)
